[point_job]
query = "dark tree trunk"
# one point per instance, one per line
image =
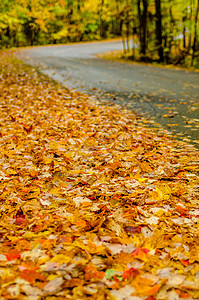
(184, 31)
(171, 25)
(139, 22)
(144, 26)
(142, 15)
(128, 26)
(195, 33)
(101, 22)
(159, 30)
(190, 18)
(145, 3)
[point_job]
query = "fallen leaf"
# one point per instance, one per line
(53, 286)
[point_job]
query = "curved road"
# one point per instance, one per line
(166, 96)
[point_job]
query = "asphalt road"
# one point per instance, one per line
(166, 96)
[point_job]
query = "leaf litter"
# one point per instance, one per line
(93, 204)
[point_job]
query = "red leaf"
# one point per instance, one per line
(136, 251)
(185, 262)
(13, 254)
(20, 221)
(130, 273)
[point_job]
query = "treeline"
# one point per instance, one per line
(162, 30)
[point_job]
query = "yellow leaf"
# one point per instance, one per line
(61, 259)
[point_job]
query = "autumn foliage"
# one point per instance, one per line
(93, 204)
(163, 31)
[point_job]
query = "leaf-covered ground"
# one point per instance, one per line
(93, 204)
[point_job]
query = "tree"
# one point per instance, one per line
(166, 31)
(142, 16)
(159, 29)
(195, 32)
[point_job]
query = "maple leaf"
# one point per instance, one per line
(91, 272)
(93, 203)
(141, 253)
(53, 285)
(20, 221)
(31, 276)
(13, 254)
(130, 273)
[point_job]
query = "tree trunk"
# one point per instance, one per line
(184, 31)
(171, 25)
(144, 27)
(195, 33)
(190, 29)
(159, 30)
(101, 22)
(139, 23)
(142, 15)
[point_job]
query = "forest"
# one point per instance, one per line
(164, 31)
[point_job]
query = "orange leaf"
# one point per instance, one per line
(92, 272)
(31, 276)
(141, 253)
(153, 290)
(81, 223)
(23, 245)
(184, 295)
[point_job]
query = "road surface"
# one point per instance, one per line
(166, 96)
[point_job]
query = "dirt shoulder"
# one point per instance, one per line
(93, 204)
